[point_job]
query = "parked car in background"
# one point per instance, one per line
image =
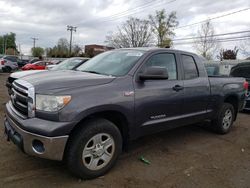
(221, 68)
(68, 64)
(34, 60)
(243, 70)
(11, 58)
(86, 117)
(213, 69)
(1, 66)
(53, 64)
(39, 65)
(22, 62)
(9, 63)
(218, 69)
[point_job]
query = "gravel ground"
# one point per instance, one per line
(186, 157)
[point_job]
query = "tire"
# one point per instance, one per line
(7, 69)
(224, 121)
(86, 156)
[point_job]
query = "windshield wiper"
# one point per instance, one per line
(94, 72)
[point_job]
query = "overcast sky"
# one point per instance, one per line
(47, 19)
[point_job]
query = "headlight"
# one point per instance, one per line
(51, 103)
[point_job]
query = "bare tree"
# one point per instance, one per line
(163, 26)
(77, 50)
(228, 54)
(245, 48)
(206, 45)
(132, 33)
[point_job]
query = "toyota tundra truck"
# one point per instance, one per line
(86, 117)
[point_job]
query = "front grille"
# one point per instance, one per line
(19, 98)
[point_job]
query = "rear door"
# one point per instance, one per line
(157, 102)
(196, 88)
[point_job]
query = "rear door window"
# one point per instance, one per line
(190, 67)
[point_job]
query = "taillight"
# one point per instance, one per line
(2, 62)
(245, 85)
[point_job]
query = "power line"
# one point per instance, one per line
(209, 36)
(224, 15)
(221, 41)
(218, 40)
(130, 12)
(140, 9)
(71, 29)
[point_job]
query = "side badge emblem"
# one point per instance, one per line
(128, 93)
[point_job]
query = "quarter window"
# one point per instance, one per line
(165, 60)
(190, 69)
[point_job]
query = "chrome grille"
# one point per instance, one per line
(22, 98)
(19, 98)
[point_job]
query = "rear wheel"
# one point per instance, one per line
(94, 149)
(224, 121)
(7, 69)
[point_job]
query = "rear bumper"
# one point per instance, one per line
(247, 104)
(33, 144)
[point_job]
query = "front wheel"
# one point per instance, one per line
(225, 118)
(94, 149)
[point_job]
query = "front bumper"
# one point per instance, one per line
(32, 143)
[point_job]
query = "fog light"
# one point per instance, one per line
(38, 146)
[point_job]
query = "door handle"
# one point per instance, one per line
(178, 88)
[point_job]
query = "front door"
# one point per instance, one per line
(158, 102)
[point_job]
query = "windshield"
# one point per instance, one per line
(68, 64)
(115, 63)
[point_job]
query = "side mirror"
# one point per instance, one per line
(154, 73)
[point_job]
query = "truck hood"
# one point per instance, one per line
(20, 74)
(65, 79)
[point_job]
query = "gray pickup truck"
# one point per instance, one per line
(86, 117)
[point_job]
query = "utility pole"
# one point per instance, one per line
(4, 45)
(34, 41)
(20, 52)
(71, 29)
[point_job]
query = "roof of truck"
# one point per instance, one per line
(154, 49)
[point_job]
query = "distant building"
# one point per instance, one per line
(94, 49)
